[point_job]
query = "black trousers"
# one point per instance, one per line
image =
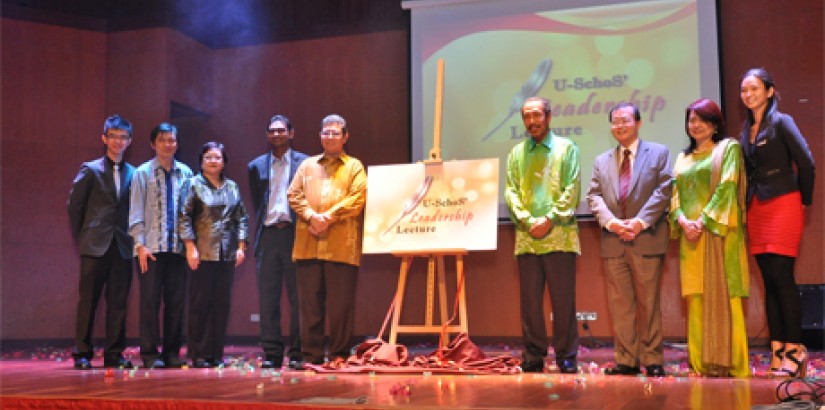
(114, 273)
(164, 280)
(327, 289)
(275, 269)
(556, 271)
(210, 288)
(783, 305)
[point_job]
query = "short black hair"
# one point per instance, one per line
(282, 118)
(210, 146)
(637, 116)
(162, 127)
(117, 122)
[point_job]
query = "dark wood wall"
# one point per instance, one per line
(59, 83)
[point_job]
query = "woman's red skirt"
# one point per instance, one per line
(775, 225)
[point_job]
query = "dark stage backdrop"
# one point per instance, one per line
(59, 83)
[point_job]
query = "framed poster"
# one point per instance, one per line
(442, 205)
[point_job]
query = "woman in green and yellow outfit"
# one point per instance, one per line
(707, 216)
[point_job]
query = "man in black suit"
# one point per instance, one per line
(269, 177)
(98, 214)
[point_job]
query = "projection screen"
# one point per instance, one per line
(583, 55)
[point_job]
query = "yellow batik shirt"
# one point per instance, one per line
(337, 186)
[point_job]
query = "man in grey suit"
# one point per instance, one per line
(98, 215)
(629, 196)
(269, 177)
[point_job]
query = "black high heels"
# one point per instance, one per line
(795, 363)
(778, 356)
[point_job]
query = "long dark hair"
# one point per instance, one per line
(767, 80)
(709, 112)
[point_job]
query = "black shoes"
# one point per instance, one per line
(202, 364)
(272, 362)
(163, 362)
(304, 365)
(155, 364)
(655, 370)
(82, 363)
(295, 361)
(173, 362)
(532, 366)
(117, 362)
(623, 370)
(568, 366)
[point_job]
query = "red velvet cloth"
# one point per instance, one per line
(460, 356)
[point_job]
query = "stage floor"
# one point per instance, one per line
(46, 379)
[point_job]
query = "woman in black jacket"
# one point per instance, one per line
(777, 196)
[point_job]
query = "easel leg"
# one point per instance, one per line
(431, 272)
(442, 290)
(399, 297)
(462, 296)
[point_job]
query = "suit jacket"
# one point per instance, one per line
(259, 185)
(96, 214)
(770, 159)
(651, 186)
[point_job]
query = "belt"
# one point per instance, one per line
(280, 225)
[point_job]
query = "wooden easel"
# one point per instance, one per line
(435, 266)
(435, 257)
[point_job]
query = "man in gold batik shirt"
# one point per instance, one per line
(328, 195)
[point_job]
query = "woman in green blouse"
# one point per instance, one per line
(707, 217)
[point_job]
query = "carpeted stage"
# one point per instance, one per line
(46, 379)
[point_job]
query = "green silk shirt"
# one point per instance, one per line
(544, 180)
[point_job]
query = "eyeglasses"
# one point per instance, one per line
(120, 137)
(621, 121)
(331, 134)
(276, 130)
(166, 140)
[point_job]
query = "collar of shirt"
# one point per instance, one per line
(634, 148)
(112, 163)
(156, 166)
(547, 142)
(207, 182)
(284, 159)
(325, 159)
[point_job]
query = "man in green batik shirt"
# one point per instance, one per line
(542, 193)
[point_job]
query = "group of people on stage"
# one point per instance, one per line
(309, 229)
(640, 200)
(178, 225)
